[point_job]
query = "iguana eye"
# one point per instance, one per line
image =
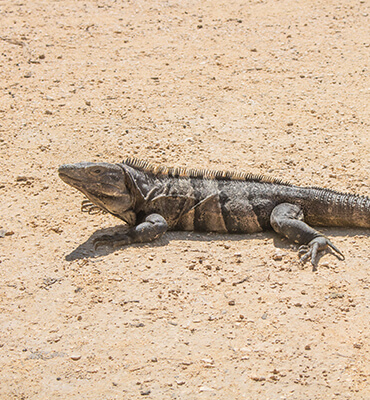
(96, 171)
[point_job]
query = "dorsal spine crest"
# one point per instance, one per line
(182, 172)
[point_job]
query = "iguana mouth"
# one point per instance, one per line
(75, 182)
(66, 177)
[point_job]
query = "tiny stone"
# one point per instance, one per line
(75, 357)
(145, 392)
(21, 178)
(205, 389)
(258, 378)
(307, 347)
(277, 257)
(232, 303)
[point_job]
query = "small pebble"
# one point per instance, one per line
(21, 178)
(205, 389)
(277, 257)
(75, 357)
(258, 378)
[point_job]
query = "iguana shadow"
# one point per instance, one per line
(87, 249)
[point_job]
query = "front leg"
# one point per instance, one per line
(287, 220)
(152, 228)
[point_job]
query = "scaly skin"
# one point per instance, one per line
(152, 200)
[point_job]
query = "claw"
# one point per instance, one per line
(315, 247)
(101, 241)
(91, 208)
(303, 249)
(116, 240)
(336, 251)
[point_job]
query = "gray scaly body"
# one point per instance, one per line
(152, 200)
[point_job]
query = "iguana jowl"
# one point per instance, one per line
(152, 200)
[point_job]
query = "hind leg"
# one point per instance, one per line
(288, 220)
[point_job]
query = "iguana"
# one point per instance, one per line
(153, 199)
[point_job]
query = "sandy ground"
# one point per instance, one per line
(274, 87)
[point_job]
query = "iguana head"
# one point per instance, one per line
(104, 184)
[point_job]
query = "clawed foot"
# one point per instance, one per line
(116, 240)
(91, 208)
(312, 250)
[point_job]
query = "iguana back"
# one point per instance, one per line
(152, 199)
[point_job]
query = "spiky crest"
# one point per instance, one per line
(182, 172)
